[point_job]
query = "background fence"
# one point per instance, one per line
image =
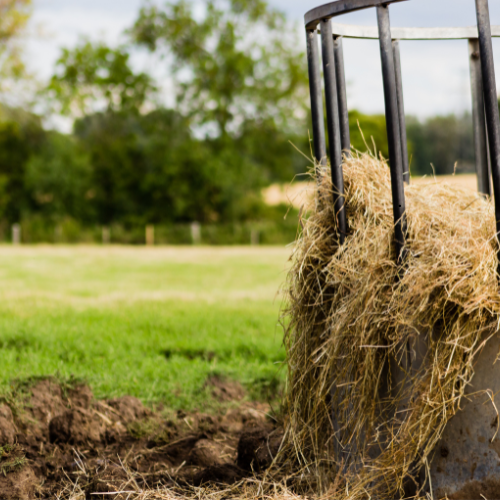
(69, 231)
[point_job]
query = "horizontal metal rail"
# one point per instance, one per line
(371, 32)
(325, 12)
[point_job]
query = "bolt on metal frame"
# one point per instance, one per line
(484, 98)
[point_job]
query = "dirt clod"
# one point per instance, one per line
(46, 401)
(244, 417)
(76, 426)
(257, 449)
(206, 453)
(18, 485)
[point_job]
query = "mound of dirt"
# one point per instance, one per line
(58, 437)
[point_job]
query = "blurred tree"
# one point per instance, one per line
(21, 135)
(264, 144)
(14, 16)
(149, 169)
(58, 180)
(94, 75)
(236, 62)
(368, 133)
(443, 141)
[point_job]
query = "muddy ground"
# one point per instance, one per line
(53, 437)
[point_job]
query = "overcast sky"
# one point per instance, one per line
(435, 74)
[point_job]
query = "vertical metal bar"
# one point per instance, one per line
(401, 108)
(488, 154)
(393, 131)
(318, 120)
(491, 103)
(342, 95)
(479, 119)
(333, 121)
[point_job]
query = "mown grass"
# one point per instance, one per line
(152, 323)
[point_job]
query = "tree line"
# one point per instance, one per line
(239, 121)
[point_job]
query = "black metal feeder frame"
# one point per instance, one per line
(484, 98)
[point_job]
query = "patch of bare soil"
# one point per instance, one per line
(57, 437)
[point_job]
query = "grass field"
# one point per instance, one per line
(149, 322)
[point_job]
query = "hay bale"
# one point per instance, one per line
(355, 327)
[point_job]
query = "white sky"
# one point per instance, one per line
(435, 74)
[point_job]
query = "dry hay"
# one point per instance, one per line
(245, 490)
(350, 321)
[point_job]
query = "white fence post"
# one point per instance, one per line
(254, 237)
(150, 235)
(16, 234)
(106, 235)
(58, 232)
(196, 233)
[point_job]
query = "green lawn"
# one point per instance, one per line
(149, 322)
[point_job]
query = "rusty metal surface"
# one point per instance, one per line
(466, 461)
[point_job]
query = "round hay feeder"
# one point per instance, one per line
(411, 377)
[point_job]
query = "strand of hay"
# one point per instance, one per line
(351, 322)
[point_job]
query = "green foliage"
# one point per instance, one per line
(443, 141)
(58, 178)
(92, 74)
(140, 177)
(235, 63)
(21, 135)
(368, 132)
(14, 17)
(272, 149)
